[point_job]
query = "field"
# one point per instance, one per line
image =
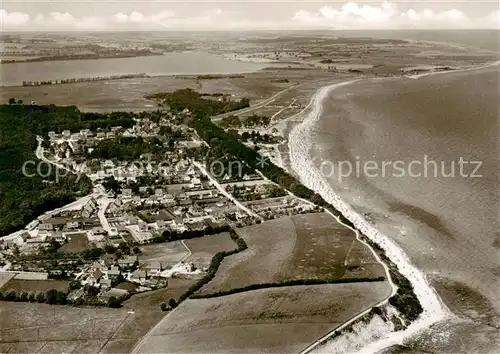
(204, 248)
(272, 320)
(321, 247)
(269, 246)
(310, 246)
(77, 242)
(35, 285)
(152, 299)
(29, 328)
(5, 277)
(167, 254)
(129, 94)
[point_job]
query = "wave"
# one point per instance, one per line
(299, 143)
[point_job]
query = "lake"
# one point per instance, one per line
(183, 63)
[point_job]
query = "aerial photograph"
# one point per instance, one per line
(250, 176)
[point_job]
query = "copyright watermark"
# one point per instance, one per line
(425, 167)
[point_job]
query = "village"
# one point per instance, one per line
(154, 182)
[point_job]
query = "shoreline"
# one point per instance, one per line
(301, 165)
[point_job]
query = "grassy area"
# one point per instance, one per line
(26, 327)
(152, 299)
(167, 254)
(19, 285)
(280, 320)
(77, 242)
(310, 247)
(204, 248)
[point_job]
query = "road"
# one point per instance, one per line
(40, 154)
(103, 203)
(223, 191)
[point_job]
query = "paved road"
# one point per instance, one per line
(223, 191)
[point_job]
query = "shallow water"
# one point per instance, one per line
(447, 225)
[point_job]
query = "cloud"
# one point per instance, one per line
(13, 19)
(350, 15)
(386, 15)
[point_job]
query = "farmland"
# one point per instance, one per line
(19, 285)
(274, 319)
(152, 299)
(204, 248)
(26, 327)
(5, 277)
(310, 246)
(166, 253)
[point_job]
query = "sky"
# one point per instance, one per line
(147, 15)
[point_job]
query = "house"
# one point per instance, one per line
(66, 134)
(95, 277)
(100, 135)
(89, 208)
(143, 189)
(152, 200)
(105, 284)
(97, 266)
(99, 231)
(45, 227)
(110, 135)
(71, 225)
(25, 235)
(143, 227)
(152, 268)
(127, 262)
(85, 132)
(108, 260)
(113, 273)
(58, 236)
(131, 220)
(168, 200)
(127, 193)
(139, 275)
(158, 192)
(197, 226)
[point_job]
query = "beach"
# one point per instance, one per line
(440, 231)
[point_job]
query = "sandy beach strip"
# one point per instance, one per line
(300, 162)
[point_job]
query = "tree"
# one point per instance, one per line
(74, 284)
(109, 249)
(12, 100)
(114, 302)
(164, 306)
(54, 296)
(20, 101)
(40, 297)
(172, 303)
(111, 185)
(10, 295)
(136, 250)
(23, 296)
(31, 296)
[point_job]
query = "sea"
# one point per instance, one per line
(174, 63)
(418, 160)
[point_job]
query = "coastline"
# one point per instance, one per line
(301, 165)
